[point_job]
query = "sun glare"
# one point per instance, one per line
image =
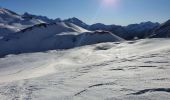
(109, 2)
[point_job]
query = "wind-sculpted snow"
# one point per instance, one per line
(132, 70)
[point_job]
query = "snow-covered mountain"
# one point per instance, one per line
(129, 32)
(141, 30)
(163, 31)
(59, 35)
(29, 16)
(11, 22)
(12, 18)
(93, 27)
(100, 26)
(8, 17)
(70, 60)
(41, 33)
(77, 22)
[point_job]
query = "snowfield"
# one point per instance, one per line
(133, 70)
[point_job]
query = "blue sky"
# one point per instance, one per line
(122, 12)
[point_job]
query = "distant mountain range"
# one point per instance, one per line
(142, 30)
(11, 22)
(45, 34)
(32, 33)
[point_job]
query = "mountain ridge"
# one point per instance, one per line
(41, 33)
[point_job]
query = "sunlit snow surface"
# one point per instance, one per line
(134, 70)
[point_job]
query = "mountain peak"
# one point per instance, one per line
(8, 16)
(27, 15)
(167, 22)
(8, 12)
(163, 31)
(76, 21)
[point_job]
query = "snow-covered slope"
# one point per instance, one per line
(42, 18)
(7, 16)
(163, 31)
(11, 22)
(44, 37)
(100, 26)
(12, 18)
(77, 22)
(144, 26)
(40, 36)
(141, 30)
(134, 70)
(7, 29)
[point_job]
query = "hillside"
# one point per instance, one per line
(134, 70)
(43, 37)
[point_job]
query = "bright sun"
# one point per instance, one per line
(109, 2)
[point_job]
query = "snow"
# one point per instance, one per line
(163, 31)
(7, 15)
(61, 60)
(43, 37)
(77, 22)
(14, 22)
(141, 30)
(45, 19)
(129, 70)
(7, 29)
(141, 27)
